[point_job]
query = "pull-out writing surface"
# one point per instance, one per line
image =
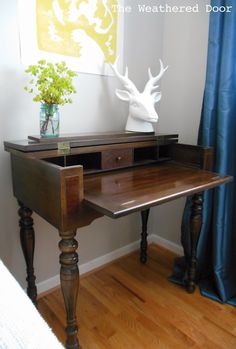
(119, 193)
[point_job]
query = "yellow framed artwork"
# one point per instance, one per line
(87, 34)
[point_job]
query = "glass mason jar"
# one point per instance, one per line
(49, 120)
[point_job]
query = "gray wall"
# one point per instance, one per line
(185, 39)
(181, 42)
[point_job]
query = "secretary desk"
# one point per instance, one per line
(74, 179)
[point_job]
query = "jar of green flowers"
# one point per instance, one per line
(52, 85)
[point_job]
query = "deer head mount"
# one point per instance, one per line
(142, 113)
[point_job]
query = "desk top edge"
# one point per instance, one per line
(87, 139)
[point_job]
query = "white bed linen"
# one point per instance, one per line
(21, 325)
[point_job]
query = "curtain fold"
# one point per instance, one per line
(216, 250)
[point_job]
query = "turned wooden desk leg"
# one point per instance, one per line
(195, 227)
(143, 244)
(27, 243)
(69, 274)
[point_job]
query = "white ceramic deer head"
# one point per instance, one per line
(142, 113)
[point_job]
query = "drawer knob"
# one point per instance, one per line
(119, 158)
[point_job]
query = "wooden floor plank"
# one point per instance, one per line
(127, 305)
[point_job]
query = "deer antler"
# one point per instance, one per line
(150, 85)
(124, 79)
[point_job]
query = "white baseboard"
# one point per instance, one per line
(93, 264)
(109, 257)
(48, 284)
(169, 245)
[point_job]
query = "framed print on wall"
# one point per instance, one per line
(86, 34)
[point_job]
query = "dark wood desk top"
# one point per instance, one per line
(35, 143)
(119, 193)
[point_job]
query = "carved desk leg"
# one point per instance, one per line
(27, 243)
(143, 244)
(195, 227)
(70, 284)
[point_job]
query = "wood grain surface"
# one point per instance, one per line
(119, 193)
(129, 305)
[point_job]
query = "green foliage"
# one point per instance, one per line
(51, 83)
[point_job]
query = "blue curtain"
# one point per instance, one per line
(216, 250)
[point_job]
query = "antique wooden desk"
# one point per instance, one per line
(70, 181)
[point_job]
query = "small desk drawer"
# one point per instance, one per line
(117, 158)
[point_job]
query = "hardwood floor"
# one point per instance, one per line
(127, 305)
